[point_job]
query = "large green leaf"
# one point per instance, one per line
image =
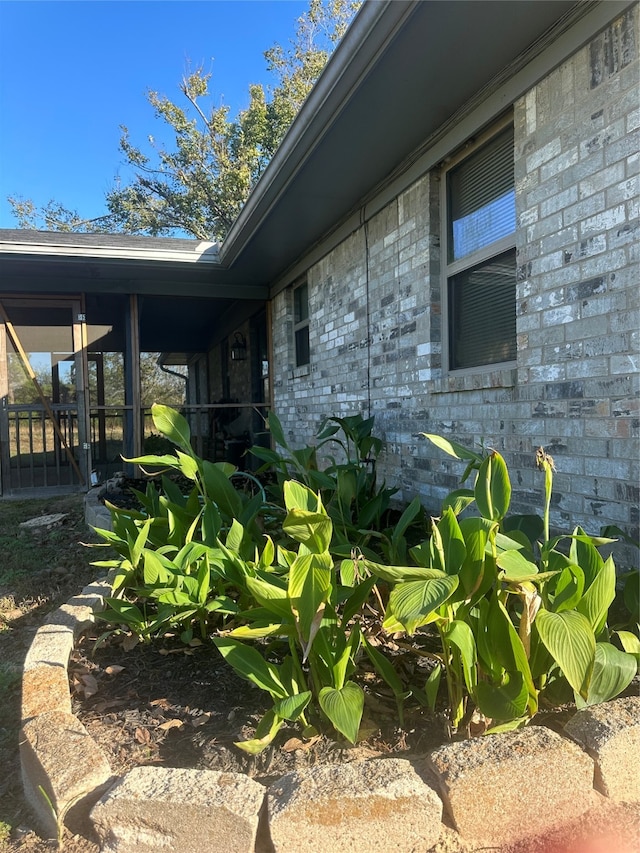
(505, 646)
(309, 589)
(393, 574)
(211, 523)
(569, 638)
(291, 707)
(275, 427)
(344, 708)
(188, 466)
(171, 424)
(452, 447)
(260, 629)
(344, 662)
(156, 568)
(313, 529)
(250, 664)
(157, 461)
(460, 635)
(503, 702)
(474, 574)
(268, 728)
(408, 516)
(584, 554)
(613, 671)
(412, 602)
(515, 567)
(458, 500)
(139, 543)
(629, 642)
(298, 496)
(569, 588)
(235, 536)
(220, 490)
(454, 549)
(493, 488)
(432, 686)
(273, 598)
(531, 525)
(596, 601)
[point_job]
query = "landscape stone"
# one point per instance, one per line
(158, 808)
(45, 688)
(503, 788)
(77, 614)
(610, 732)
(52, 644)
(380, 805)
(36, 525)
(58, 755)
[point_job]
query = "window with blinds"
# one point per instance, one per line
(480, 253)
(301, 323)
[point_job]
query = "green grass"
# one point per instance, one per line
(10, 675)
(24, 553)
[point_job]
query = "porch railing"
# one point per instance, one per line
(219, 431)
(36, 455)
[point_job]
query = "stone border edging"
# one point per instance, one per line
(320, 808)
(95, 512)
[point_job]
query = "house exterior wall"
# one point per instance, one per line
(375, 312)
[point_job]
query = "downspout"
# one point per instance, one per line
(168, 370)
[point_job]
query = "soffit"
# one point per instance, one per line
(436, 57)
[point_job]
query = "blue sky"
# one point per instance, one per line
(72, 72)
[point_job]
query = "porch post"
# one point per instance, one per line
(5, 455)
(79, 332)
(133, 415)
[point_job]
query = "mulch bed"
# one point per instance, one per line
(169, 705)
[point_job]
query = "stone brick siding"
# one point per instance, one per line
(375, 330)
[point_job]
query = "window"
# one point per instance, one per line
(301, 323)
(481, 255)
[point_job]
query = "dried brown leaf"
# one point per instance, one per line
(89, 685)
(171, 724)
(142, 735)
(294, 743)
(130, 642)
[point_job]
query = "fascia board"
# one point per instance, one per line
(204, 253)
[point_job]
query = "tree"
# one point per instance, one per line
(200, 185)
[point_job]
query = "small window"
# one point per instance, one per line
(301, 323)
(481, 257)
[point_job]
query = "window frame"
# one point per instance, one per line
(301, 325)
(449, 269)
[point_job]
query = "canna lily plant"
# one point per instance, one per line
(518, 619)
(299, 600)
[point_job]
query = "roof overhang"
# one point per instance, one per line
(402, 71)
(59, 262)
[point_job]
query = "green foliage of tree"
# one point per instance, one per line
(156, 384)
(199, 184)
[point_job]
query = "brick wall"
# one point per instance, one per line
(375, 331)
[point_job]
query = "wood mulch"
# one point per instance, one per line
(174, 706)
